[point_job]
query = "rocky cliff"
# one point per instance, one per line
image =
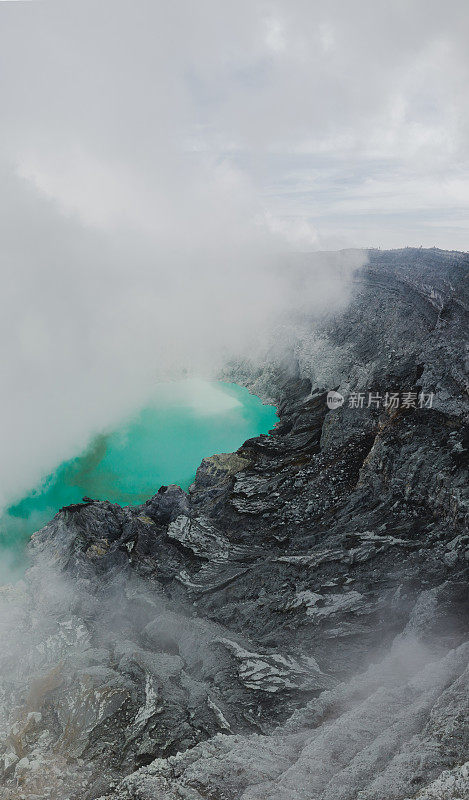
(296, 625)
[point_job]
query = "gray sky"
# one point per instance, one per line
(347, 123)
(157, 158)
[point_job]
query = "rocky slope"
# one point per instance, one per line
(296, 625)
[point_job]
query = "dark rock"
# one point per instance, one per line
(233, 619)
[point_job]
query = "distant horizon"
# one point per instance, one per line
(377, 247)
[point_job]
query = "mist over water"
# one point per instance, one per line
(164, 443)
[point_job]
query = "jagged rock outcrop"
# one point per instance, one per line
(382, 735)
(219, 642)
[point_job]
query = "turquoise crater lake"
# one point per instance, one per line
(164, 443)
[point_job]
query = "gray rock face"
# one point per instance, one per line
(217, 644)
(385, 734)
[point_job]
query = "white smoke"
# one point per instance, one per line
(155, 165)
(91, 319)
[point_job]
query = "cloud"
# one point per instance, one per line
(93, 315)
(90, 320)
(158, 161)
